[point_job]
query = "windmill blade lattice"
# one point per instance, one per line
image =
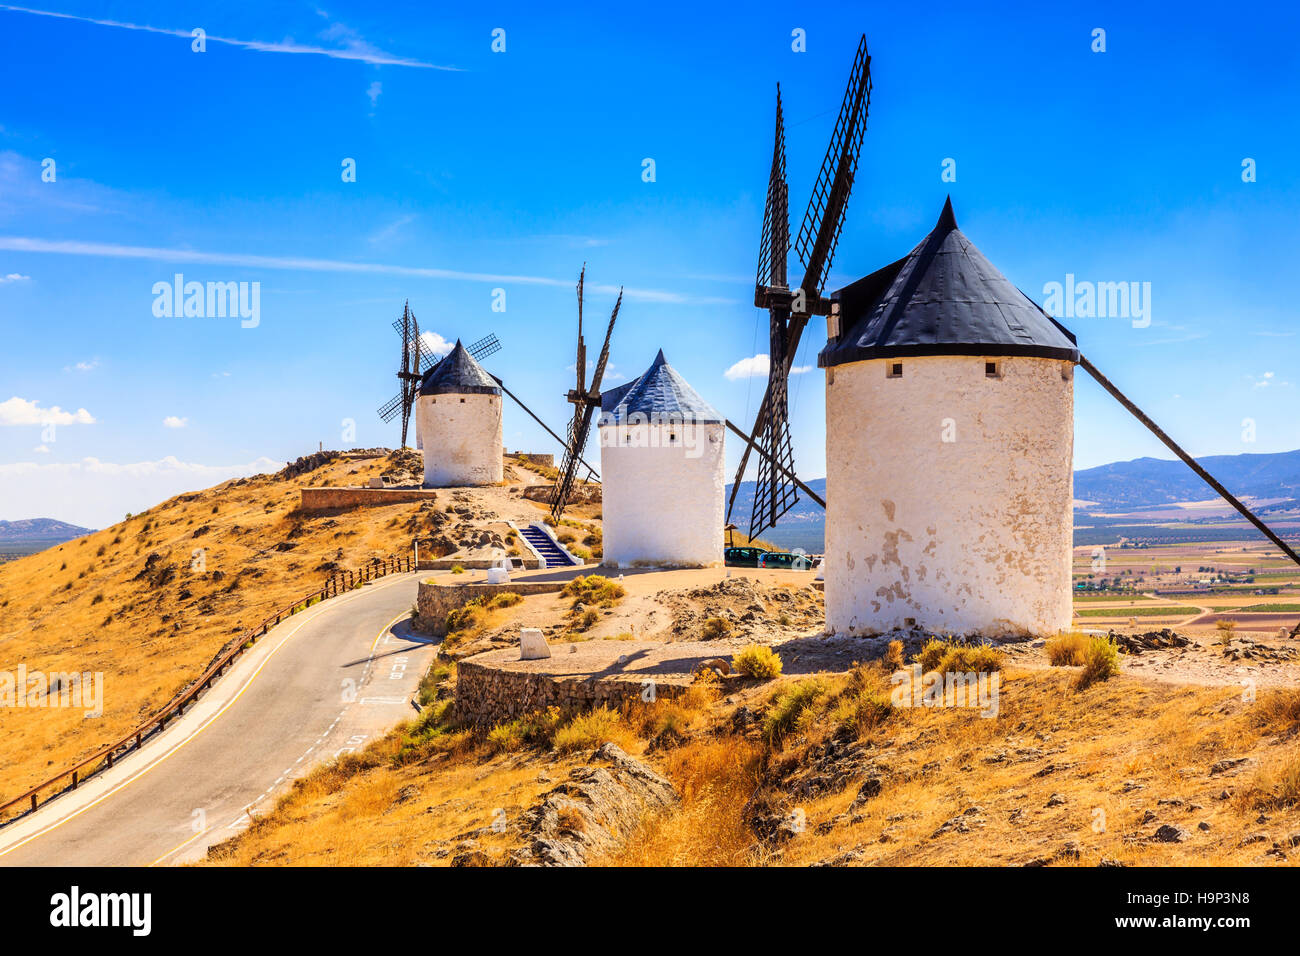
(586, 399)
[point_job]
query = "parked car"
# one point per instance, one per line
(742, 557)
(784, 559)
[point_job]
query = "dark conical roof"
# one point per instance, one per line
(942, 298)
(458, 373)
(660, 395)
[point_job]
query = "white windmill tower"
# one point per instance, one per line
(458, 419)
(949, 444)
(661, 463)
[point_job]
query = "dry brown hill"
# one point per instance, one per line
(151, 600)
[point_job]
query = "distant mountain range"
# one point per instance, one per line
(1147, 482)
(1121, 486)
(39, 529)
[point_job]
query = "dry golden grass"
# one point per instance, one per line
(1161, 738)
(715, 779)
(1112, 751)
(86, 605)
(407, 798)
(1067, 650)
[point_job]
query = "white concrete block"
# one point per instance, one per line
(498, 576)
(532, 645)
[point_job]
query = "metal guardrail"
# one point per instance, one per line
(340, 582)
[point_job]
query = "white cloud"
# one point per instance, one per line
(435, 344)
(14, 277)
(83, 366)
(42, 449)
(373, 91)
(753, 367)
(74, 247)
(173, 421)
(757, 366)
(97, 493)
(390, 230)
(353, 49)
(21, 411)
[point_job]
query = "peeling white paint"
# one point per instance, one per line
(965, 535)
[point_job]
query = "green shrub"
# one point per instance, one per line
(594, 589)
(532, 730)
(1100, 662)
(457, 569)
(589, 730)
(789, 705)
(716, 627)
(948, 656)
(757, 660)
(464, 617)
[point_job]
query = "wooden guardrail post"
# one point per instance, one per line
(344, 579)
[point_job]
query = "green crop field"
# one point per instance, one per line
(1139, 611)
(1264, 608)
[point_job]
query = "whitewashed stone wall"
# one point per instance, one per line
(662, 488)
(949, 495)
(460, 436)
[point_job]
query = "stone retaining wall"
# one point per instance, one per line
(435, 601)
(547, 461)
(474, 564)
(487, 695)
(330, 499)
(579, 494)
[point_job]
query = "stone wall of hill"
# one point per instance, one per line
(487, 695)
(329, 499)
(579, 494)
(434, 601)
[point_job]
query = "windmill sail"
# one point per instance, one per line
(585, 398)
(775, 492)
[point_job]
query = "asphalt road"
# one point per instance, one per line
(322, 683)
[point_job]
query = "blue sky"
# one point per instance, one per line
(479, 170)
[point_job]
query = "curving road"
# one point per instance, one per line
(320, 684)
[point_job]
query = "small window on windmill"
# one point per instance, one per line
(894, 370)
(991, 370)
(672, 437)
(462, 401)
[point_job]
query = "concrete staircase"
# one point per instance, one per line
(552, 555)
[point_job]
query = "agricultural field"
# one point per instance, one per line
(1194, 573)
